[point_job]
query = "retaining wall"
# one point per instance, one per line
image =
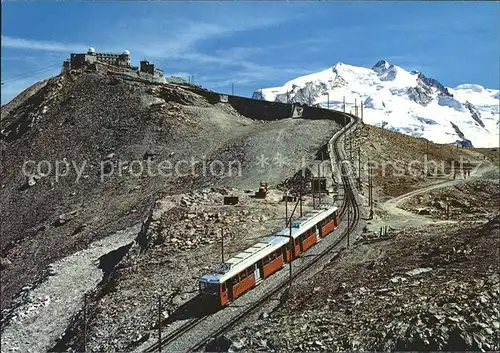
(265, 110)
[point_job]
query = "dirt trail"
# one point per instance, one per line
(402, 218)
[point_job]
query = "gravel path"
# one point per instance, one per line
(44, 311)
(403, 218)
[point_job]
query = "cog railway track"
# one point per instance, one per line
(349, 201)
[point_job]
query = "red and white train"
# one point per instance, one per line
(247, 269)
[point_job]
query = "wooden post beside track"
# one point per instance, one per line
(159, 323)
(85, 322)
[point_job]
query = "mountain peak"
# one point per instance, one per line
(410, 101)
(338, 66)
(381, 65)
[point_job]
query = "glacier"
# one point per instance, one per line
(403, 101)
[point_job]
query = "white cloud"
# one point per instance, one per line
(21, 43)
(177, 40)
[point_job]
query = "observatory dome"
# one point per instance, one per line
(91, 50)
(126, 52)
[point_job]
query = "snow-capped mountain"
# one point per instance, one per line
(408, 102)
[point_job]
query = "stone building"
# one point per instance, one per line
(77, 61)
(149, 68)
(111, 62)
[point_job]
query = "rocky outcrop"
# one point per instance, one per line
(430, 82)
(474, 113)
(420, 94)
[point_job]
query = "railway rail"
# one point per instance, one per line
(349, 203)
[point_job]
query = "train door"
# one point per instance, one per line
(318, 233)
(229, 284)
(257, 272)
(284, 253)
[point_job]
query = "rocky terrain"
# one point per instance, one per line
(415, 291)
(95, 146)
(109, 227)
(423, 283)
(471, 200)
(179, 242)
(402, 163)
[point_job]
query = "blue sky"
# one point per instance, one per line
(255, 44)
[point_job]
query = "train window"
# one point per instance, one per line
(223, 285)
(235, 280)
(209, 288)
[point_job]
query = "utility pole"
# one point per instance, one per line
(286, 207)
(313, 193)
(85, 322)
(319, 186)
(328, 101)
(300, 199)
(291, 244)
(361, 111)
(356, 106)
(159, 323)
(232, 89)
(222, 243)
(359, 167)
(291, 250)
(348, 221)
(370, 187)
(261, 95)
(350, 144)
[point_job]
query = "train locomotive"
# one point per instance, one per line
(234, 277)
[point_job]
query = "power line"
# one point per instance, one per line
(29, 74)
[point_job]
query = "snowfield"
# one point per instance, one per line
(403, 101)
